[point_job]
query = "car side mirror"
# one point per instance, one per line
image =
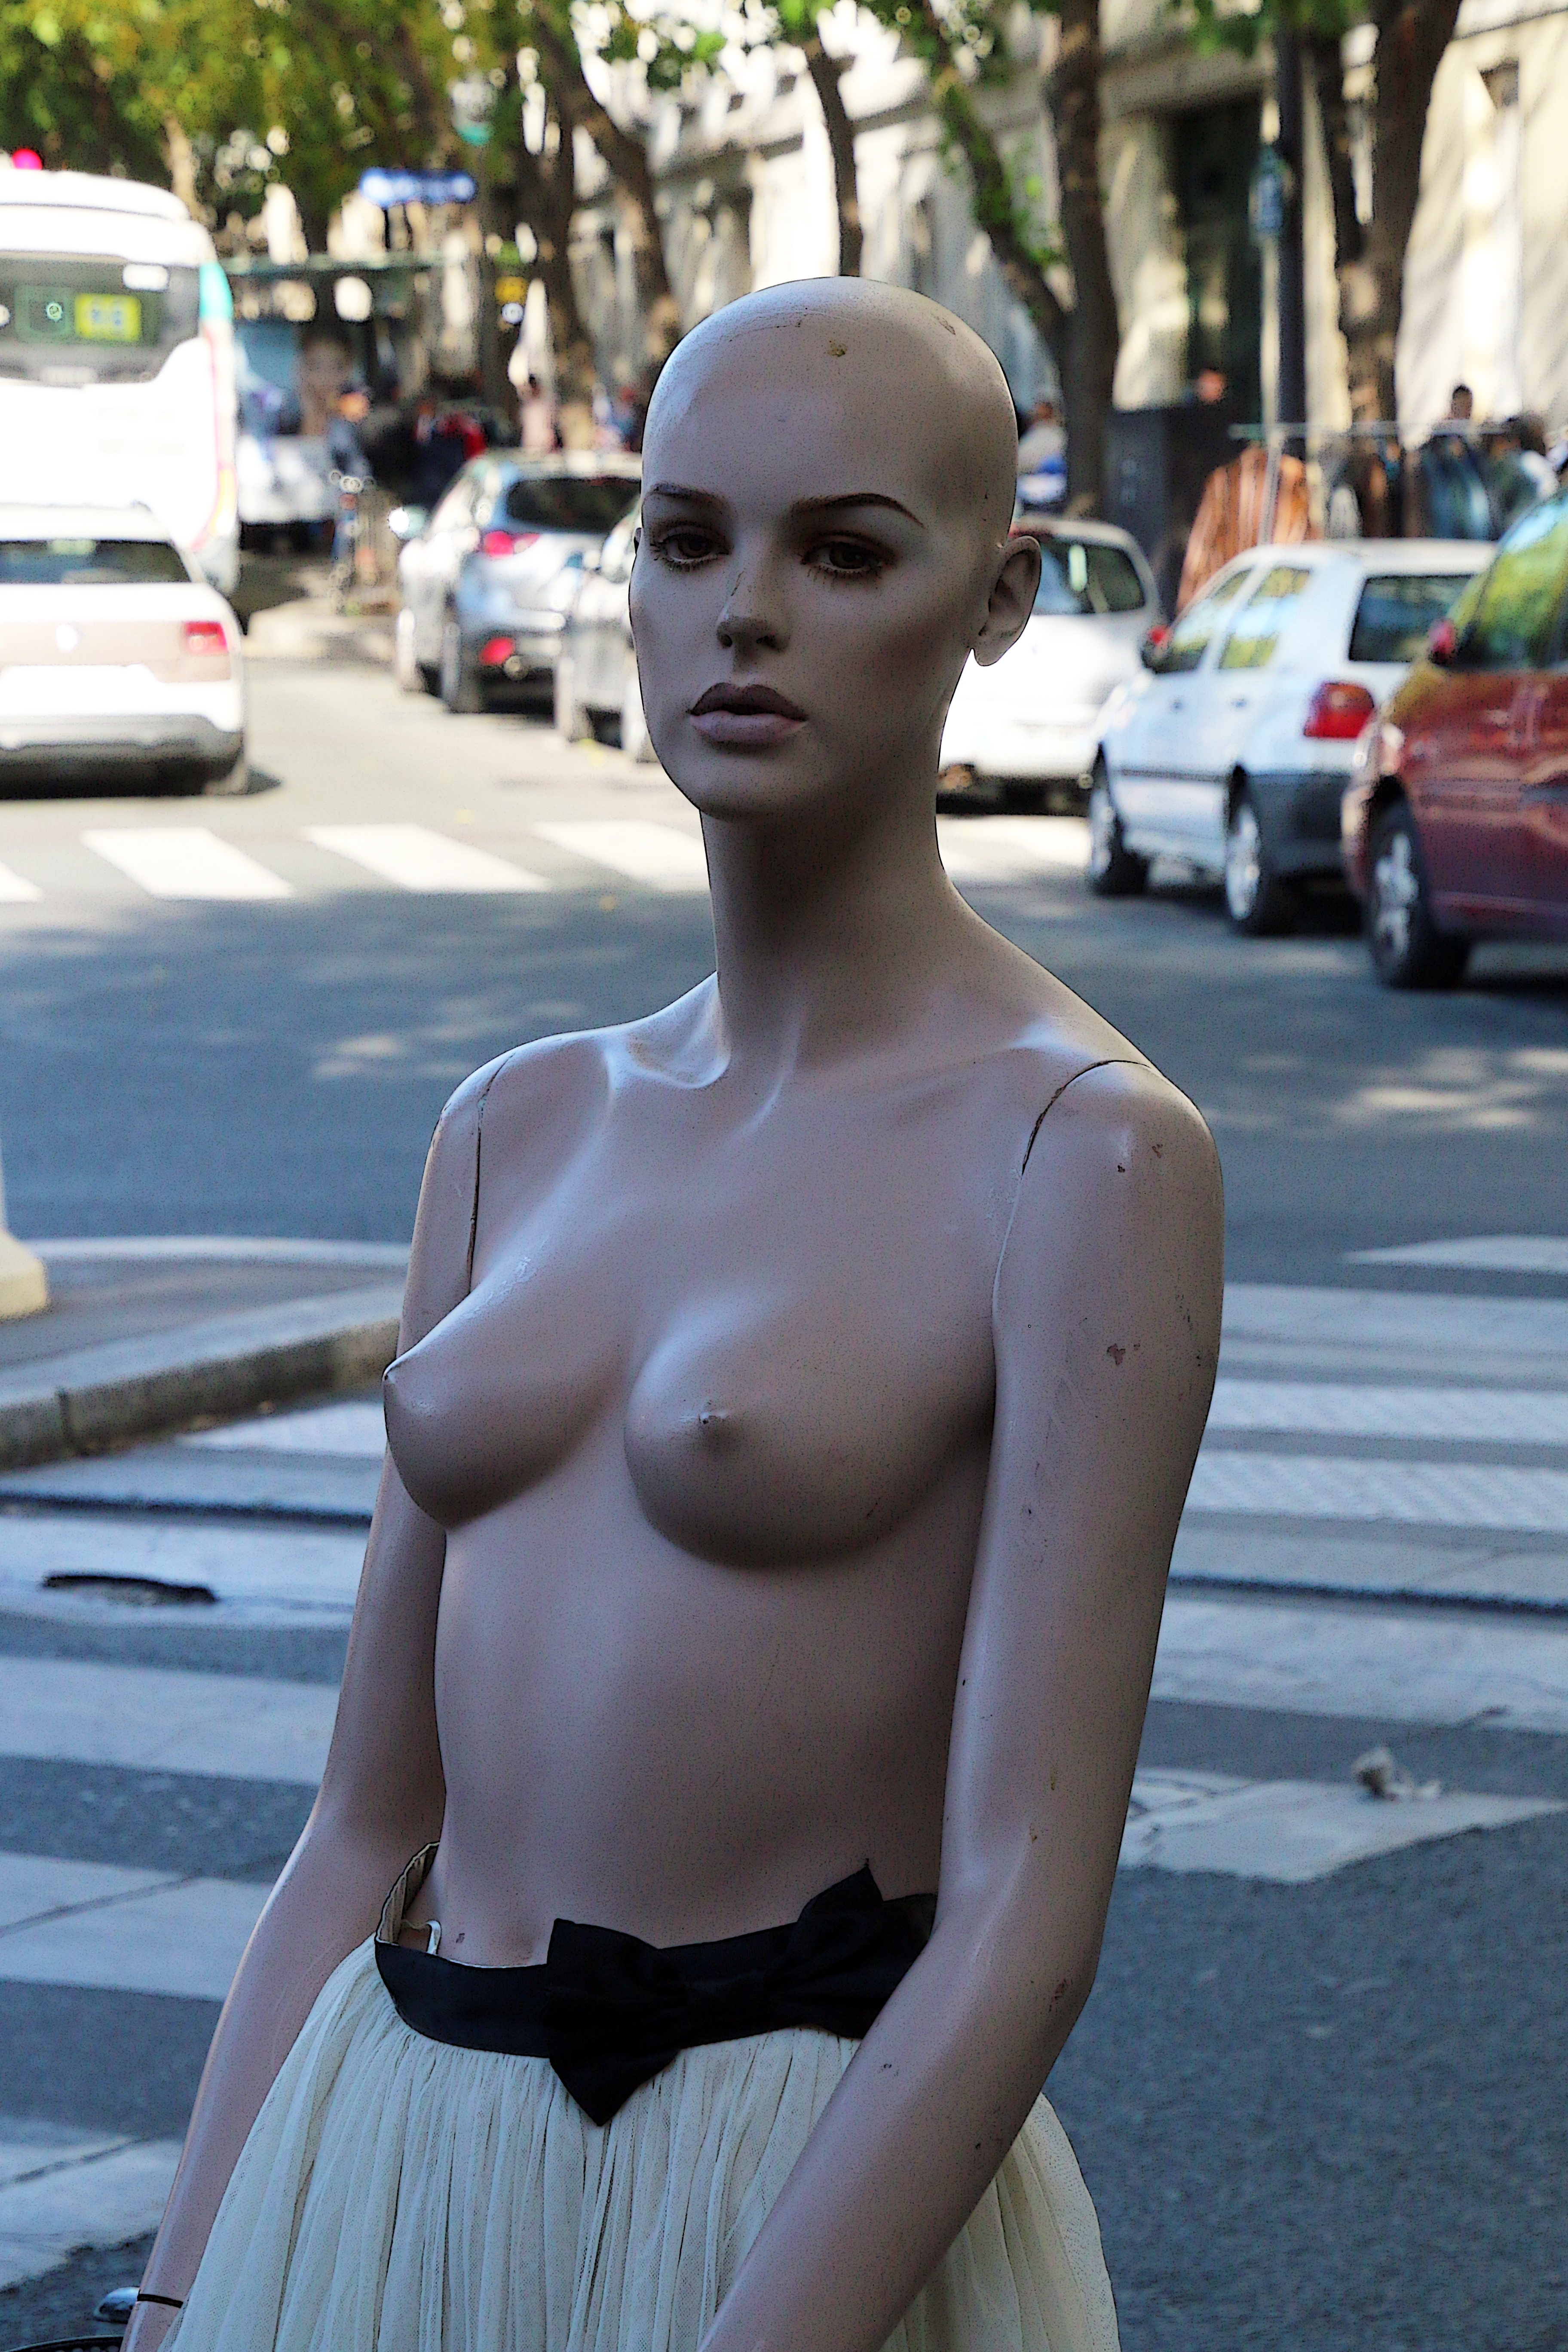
(407, 522)
(1152, 645)
(1442, 643)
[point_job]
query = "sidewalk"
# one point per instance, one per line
(144, 1337)
(286, 605)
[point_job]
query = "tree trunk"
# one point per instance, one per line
(180, 157)
(1412, 36)
(826, 73)
(1094, 338)
(624, 157)
(547, 202)
(1327, 68)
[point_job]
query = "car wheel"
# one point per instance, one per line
(572, 721)
(1257, 900)
(460, 689)
(1114, 872)
(1407, 948)
(412, 676)
(635, 740)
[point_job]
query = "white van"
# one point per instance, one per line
(117, 359)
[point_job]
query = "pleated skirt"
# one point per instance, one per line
(399, 2195)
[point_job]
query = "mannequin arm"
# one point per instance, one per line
(381, 1795)
(1107, 1331)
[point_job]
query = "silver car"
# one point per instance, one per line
(485, 582)
(597, 675)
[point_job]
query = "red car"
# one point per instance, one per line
(1455, 826)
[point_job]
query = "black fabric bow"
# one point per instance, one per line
(616, 2010)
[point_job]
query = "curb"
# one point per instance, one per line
(230, 1364)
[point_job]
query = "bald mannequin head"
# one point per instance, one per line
(853, 344)
(828, 478)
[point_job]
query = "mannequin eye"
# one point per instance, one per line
(682, 545)
(847, 559)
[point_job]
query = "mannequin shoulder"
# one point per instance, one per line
(1120, 1188)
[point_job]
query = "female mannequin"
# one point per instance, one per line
(798, 1397)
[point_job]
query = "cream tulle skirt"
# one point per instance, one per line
(398, 2195)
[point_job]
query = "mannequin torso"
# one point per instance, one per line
(711, 1466)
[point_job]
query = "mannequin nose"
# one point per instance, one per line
(748, 621)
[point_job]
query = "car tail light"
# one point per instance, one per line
(1338, 712)
(206, 639)
(505, 542)
(494, 651)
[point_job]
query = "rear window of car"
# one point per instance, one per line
(1189, 639)
(590, 503)
(90, 563)
(1396, 613)
(1258, 626)
(1084, 575)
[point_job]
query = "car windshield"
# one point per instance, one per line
(590, 503)
(1084, 575)
(1506, 618)
(1396, 613)
(89, 563)
(71, 319)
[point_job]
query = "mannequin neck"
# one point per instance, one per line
(829, 935)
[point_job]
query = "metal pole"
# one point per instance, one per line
(1292, 381)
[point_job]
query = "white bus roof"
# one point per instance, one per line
(90, 192)
(78, 212)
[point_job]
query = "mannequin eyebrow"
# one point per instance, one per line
(812, 506)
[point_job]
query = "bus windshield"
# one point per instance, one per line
(71, 319)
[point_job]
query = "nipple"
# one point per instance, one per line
(716, 1422)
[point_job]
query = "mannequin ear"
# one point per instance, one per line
(1012, 599)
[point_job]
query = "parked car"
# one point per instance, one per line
(486, 581)
(597, 673)
(1232, 751)
(1455, 826)
(117, 659)
(1032, 718)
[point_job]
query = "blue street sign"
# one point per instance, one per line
(387, 188)
(1266, 197)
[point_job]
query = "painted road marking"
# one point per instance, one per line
(1012, 848)
(1398, 1493)
(285, 1570)
(1482, 1254)
(1289, 1831)
(655, 855)
(1388, 1665)
(14, 891)
(112, 1930)
(416, 858)
(186, 861)
(160, 1719)
(61, 2188)
(355, 1431)
(1343, 1409)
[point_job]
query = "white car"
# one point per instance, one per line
(1032, 717)
(116, 657)
(1232, 751)
(596, 672)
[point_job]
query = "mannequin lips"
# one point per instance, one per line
(745, 718)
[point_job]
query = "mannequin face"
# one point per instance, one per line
(827, 491)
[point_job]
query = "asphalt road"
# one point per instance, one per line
(1327, 2115)
(276, 1065)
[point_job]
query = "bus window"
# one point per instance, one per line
(68, 319)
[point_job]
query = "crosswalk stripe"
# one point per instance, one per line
(292, 1569)
(354, 1431)
(92, 1925)
(1390, 1665)
(1291, 1831)
(155, 1718)
(14, 891)
(1012, 848)
(186, 861)
(1481, 1253)
(61, 2188)
(1345, 1409)
(417, 859)
(655, 855)
(1402, 1493)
